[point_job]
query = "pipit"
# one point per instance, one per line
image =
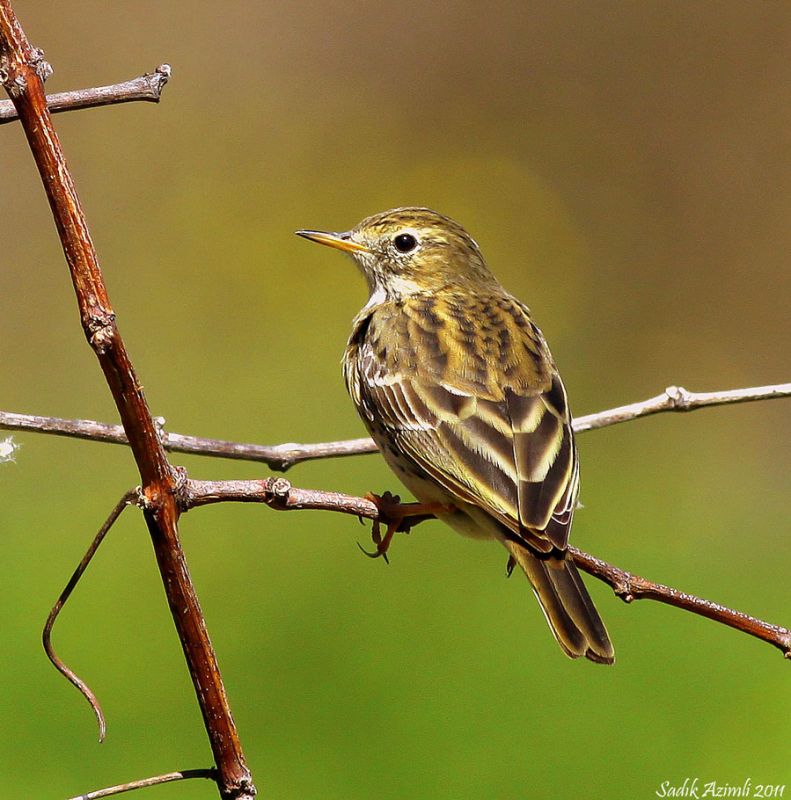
(459, 390)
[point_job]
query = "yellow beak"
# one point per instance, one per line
(340, 241)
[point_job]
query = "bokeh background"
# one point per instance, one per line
(625, 167)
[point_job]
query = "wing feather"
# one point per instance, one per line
(503, 444)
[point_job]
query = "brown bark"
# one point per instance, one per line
(22, 69)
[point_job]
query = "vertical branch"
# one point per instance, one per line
(22, 71)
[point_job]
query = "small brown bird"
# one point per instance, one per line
(459, 391)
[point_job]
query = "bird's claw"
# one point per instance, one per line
(399, 518)
(374, 553)
(381, 544)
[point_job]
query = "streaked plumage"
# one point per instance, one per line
(459, 390)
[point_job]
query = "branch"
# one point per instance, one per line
(169, 777)
(283, 456)
(146, 88)
(131, 497)
(22, 70)
(278, 493)
(677, 398)
(277, 457)
(630, 587)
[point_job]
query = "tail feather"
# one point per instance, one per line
(566, 604)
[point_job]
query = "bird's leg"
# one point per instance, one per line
(398, 517)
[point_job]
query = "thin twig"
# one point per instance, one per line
(146, 88)
(129, 498)
(22, 69)
(275, 492)
(168, 777)
(278, 457)
(278, 493)
(677, 398)
(281, 457)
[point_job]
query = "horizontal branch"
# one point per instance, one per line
(145, 88)
(278, 457)
(282, 456)
(278, 493)
(677, 398)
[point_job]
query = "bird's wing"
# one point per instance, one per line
(484, 417)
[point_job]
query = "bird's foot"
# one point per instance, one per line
(399, 518)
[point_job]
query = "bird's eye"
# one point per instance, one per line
(405, 242)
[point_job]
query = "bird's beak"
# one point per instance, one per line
(340, 241)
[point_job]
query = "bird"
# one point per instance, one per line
(458, 389)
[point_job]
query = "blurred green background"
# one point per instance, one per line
(625, 168)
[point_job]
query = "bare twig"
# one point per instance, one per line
(275, 492)
(281, 457)
(631, 587)
(676, 398)
(22, 69)
(129, 498)
(168, 777)
(278, 457)
(278, 493)
(146, 88)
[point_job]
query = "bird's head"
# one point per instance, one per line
(408, 251)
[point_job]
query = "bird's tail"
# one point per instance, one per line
(567, 605)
